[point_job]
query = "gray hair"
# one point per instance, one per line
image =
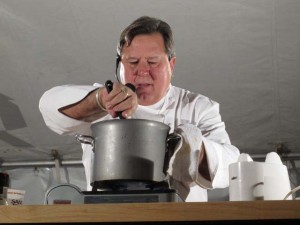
(148, 25)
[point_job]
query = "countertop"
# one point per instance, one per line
(286, 211)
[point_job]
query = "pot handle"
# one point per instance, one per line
(172, 141)
(85, 139)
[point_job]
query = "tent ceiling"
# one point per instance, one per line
(243, 54)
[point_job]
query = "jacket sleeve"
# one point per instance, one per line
(205, 127)
(220, 153)
(58, 97)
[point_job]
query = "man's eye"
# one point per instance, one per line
(133, 62)
(152, 63)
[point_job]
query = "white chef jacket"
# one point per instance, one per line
(195, 117)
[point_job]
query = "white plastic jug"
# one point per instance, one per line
(249, 180)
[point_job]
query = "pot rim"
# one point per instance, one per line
(128, 121)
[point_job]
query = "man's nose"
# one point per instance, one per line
(143, 69)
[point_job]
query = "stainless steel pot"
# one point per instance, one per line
(133, 149)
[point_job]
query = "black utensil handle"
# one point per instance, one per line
(109, 86)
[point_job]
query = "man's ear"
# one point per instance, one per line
(172, 63)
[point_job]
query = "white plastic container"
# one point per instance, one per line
(249, 180)
(12, 197)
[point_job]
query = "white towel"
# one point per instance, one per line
(183, 165)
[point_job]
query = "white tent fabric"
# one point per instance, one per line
(243, 54)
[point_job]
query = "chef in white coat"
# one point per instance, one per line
(146, 57)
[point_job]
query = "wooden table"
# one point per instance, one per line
(256, 212)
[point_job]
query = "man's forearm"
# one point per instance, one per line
(86, 110)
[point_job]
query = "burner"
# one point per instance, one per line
(119, 185)
(70, 194)
(125, 196)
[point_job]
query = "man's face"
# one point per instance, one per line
(146, 65)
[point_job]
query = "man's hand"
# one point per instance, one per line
(120, 99)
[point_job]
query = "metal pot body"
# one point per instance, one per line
(132, 149)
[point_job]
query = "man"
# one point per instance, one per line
(147, 58)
